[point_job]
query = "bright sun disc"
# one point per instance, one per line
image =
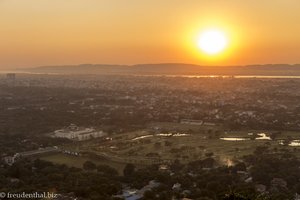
(212, 41)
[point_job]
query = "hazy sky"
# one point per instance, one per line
(54, 32)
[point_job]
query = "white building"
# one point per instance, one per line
(74, 132)
(10, 160)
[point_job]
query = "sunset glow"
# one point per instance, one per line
(117, 32)
(212, 42)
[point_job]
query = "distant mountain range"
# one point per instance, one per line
(171, 69)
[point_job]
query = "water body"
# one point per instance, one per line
(262, 136)
(162, 135)
(295, 143)
(224, 76)
(142, 137)
(234, 139)
(32, 73)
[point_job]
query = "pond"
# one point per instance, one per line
(293, 143)
(234, 139)
(162, 135)
(261, 136)
(142, 137)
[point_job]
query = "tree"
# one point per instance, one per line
(209, 154)
(234, 196)
(88, 165)
(107, 170)
(129, 169)
(149, 195)
(261, 150)
(274, 135)
(168, 143)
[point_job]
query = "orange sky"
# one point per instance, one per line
(55, 32)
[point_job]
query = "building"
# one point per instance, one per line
(176, 186)
(133, 194)
(11, 76)
(74, 132)
(10, 160)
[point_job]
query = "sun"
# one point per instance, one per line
(212, 41)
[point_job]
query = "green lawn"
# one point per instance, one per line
(127, 150)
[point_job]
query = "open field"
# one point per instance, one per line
(183, 127)
(165, 142)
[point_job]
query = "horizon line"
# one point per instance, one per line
(133, 65)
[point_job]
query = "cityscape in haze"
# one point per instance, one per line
(150, 100)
